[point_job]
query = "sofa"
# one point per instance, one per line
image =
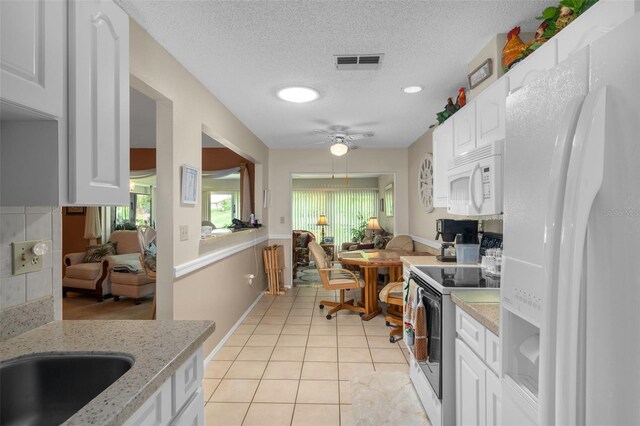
(87, 272)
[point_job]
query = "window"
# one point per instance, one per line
(223, 208)
(140, 210)
(342, 207)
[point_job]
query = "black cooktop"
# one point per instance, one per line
(462, 277)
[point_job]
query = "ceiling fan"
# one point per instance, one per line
(341, 140)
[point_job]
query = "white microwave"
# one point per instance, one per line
(475, 181)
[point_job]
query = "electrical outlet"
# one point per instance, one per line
(24, 259)
(184, 232)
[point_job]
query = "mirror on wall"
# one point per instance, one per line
(227, 186)
(388, 200)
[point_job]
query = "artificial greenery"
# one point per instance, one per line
(126, 226)
(358, 231)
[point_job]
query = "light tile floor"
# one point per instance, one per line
(288, 365)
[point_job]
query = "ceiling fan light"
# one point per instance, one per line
(412, 89)
(339, 148)
(298, 94)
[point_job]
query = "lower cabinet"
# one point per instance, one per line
(478, 390)
(180, 399)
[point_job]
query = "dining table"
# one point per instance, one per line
(369, 261)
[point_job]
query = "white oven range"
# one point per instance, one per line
(434, 379)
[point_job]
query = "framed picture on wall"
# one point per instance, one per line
(382, 205)
(189, 190)
(74, 210)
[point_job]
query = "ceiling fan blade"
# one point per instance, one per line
(356, 136)
(324, 132)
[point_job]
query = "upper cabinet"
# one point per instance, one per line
(98, 103)
(64, 102)
(32, 55)
(490, 113)
(464, 129)
(540, 61)
(442, 154)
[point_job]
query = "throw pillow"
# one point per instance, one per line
(97, 252)
(150, 260)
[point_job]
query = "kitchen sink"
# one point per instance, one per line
(47, 389)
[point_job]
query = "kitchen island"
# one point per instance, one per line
(159, 348)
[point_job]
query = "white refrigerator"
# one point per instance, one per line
(570, 323)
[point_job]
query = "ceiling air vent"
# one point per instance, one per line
(358, 62)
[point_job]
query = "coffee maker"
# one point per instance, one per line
(448, 229)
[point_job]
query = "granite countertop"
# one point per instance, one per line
(158, 347)
(483, 305)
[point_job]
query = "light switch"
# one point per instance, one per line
(184, 232)
(25, 258)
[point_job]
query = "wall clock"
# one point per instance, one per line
(425, 183)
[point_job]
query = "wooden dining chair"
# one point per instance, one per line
(392, 294)
(336, 279)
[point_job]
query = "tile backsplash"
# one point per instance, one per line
(24, 224)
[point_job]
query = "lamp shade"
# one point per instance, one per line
(339, 148)
(322, 220)
(373, 224)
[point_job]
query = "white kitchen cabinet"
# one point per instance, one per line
(442, 154)
(32, 55)
(493, 400)
(155, 410)
(464, 129)
(478, 390)
(470, 387)
(98, 103)
(491, 107)
(180, 399)
(593, 24)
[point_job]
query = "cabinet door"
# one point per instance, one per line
(464, 129)
(491, 107)
(154, 411)
(470, 387)
(442, 153)
(193, 413)
(493, 398)
(98, 103)
(32, 54)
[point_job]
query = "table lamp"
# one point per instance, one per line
(373, 225)
(322, 222)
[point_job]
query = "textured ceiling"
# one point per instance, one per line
(245, 51)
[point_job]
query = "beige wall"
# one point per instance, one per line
(285, 162)
(492, 50)
(186, 109)
(222, 299)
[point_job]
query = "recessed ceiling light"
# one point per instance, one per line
(298, 94)
(412, 89)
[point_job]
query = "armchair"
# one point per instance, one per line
(300, 249)
(92, 276)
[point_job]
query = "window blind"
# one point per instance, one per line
(342, 208)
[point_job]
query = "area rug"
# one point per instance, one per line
(308, 276)
(386, 398)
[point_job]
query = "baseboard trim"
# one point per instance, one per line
(219, 346)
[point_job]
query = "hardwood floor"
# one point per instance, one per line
(84, 307)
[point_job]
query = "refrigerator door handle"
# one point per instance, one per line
(553, 221)
(472, 195)
(584, 180)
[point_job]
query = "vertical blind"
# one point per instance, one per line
(342, 208)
